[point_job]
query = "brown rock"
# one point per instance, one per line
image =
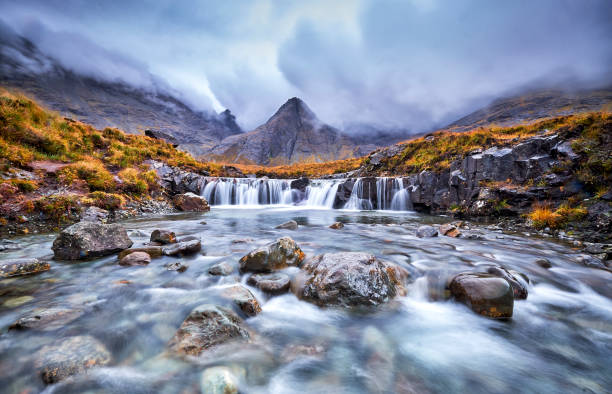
(337, 226)
(163, 237)
(153, 251)
(449, 230)
(243, 298)
(136, 258)
(277, 255)
(18, 267)
(486, 294)
(191, 202)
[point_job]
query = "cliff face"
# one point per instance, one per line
(292, 135)
(103, 103)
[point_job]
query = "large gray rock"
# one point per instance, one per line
(18, 267)
(71, 356)
(185, 246)
(290, 225)
(274, 283)
(485, 294)
(426, 232)
(85, 240)
(163, 236)
(191, 202)
(206, 328)
(277, 255)
(136, 258)
(349, 279)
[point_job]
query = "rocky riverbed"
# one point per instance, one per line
(231, 300)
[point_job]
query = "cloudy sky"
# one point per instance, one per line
(414, 63)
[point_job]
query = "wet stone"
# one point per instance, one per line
(221, 269)
(337, 226)
(426, 232)
(207, 327)
(275, 283)
(544, 263)
(136, 258)
(277, 255)
(182, 248)
(71, 356)
(163, 237)
(19, 267)
(349, 279)
(218, 380)
(176, 266)
(243, 298)
(152, 251)
(191, 202)
(485, 294)
(85, 240)
(47, 319)
(449, 230)
(290, 225)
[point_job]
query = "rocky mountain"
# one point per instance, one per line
(535, 105)
(293, 134)
(103, 103)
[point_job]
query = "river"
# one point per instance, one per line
(558, 340)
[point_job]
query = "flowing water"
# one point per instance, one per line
(558, 341)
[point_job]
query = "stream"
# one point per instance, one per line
(559, 339)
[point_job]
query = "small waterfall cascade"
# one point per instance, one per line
(384, 193)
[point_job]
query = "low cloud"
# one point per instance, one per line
(413, 64)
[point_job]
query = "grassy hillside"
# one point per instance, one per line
(51, 164)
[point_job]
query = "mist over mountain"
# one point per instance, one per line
(107, 101)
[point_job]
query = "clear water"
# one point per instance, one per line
(559, 340)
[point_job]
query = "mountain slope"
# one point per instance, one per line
(292, 135)
(535, 105)
(104, 103)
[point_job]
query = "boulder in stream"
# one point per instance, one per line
(274, 283)
(277, 255)
(85, 240)
(185, 246)
(221, 269)
(349, 279)
(426, 232)
(290, 225)
(19, 267)
(164, 237)
(71, 356)
(337, 226)
(136, 258)
(243, 298)
(450, 230)
(153, 251)
(46, 319)
(191, 202)
(518, 281)
(486, 294)
(207, 327)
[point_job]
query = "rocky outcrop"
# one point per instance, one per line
(19, 267)
(71, 356)
(275, 256)
(160, 135)
(191, 202)
(485, 294)
(206, 328)
(85, 240)
(349, 279)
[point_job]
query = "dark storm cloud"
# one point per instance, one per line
(413, 63)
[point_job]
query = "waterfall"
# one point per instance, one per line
(320, 193)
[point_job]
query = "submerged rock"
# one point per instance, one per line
(349, 279)
(275, 283)
(176, 266)
(486, 294)
(191, 202)
(207, 327)
(426, 232)
(337, 226)
(183, 247)
(19, 267)
(135, 258)
(163, 236)
(544, 263)
(218, 380)
(277, 255)
(243, 298)
(221, 269)
(90, 239)
(72, 356)
(290, 225)
(47, 319)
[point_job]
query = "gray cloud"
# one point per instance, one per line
(414, 64)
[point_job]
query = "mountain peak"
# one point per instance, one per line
(297, 109)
